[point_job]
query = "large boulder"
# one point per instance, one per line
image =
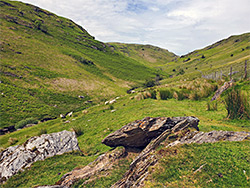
(140, 132)
(16, 158)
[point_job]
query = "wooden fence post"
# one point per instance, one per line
(245, 76)
(231, 72)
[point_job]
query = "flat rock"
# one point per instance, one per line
(139, 133)
(211, 137)
(16, 158)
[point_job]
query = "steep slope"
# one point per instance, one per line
(149, 55)
(213, 60)
(48, 61)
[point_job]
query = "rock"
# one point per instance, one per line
(139, 133)
(62, 116)
(102, 163)
(16, 158)
(70, 114)
(210, 137)
(138, 169)
(112, 101)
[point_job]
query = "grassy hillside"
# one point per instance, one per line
(48, 61)
(98, 121)
(149, 55)
(213, 60)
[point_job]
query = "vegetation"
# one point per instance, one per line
(237, 105)
(46, 83)
(25, 122)
(34, 84)
(222, 164)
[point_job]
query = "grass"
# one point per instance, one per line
(71, 63)
(237, 105)
(223, 164)
(46, 83)
(107, 179)
(98, 121)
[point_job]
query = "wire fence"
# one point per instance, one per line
(239, 71)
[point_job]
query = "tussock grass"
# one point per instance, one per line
(237, 104)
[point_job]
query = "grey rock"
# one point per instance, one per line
(139, 133)
(16, 158)
(103, 163)
(211, 137)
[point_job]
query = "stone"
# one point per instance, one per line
(103, 163)
(139, 133)
(16, 158)
(211, 137)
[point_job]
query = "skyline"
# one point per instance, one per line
(176, 25)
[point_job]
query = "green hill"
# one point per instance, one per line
(48, 61)
(213, 60)
(148, 55)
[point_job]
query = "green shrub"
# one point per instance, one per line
(25, 122)
(237, 105)
(78, 130)
(153, 94)
(111, 107)
(166, 94)
(149, 83)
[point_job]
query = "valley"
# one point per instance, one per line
(55, 76)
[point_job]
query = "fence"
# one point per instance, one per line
(233, 73)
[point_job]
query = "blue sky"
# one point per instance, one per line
(180, 26)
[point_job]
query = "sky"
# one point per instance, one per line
(180, 26)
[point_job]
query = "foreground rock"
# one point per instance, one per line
(210, 137)
(139, 133)
(102, 163)
(150, 127)
(16, 158)
(138, 170)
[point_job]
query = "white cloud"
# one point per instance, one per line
(180, 26)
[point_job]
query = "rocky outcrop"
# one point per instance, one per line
(210, 137)
(102, 163)
(138, 170)
(139, 133)
(133, 131)
(170, 131)
(16, 158)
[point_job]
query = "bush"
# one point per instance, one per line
(166, 94)
(149, 83)
(21, 124)
(78, 130)
(153, 94)
(237, 105)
